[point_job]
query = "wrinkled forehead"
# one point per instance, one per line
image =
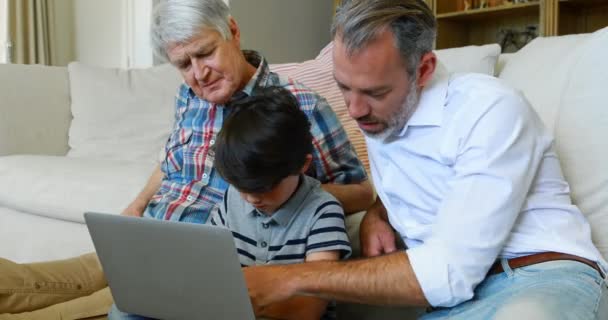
(202, 40)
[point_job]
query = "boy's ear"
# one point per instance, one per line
(306, 164)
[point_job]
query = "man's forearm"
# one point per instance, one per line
(383, 280)
(354, 197)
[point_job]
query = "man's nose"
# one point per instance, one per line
(357, 106)
(201, 72)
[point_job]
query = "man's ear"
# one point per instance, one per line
(306, 164)
(425, 71)
(235, 31)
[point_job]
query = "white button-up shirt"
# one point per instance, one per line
(473, 177)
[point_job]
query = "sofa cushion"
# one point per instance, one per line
(317, 74)
(478, 59)
(567, 91)
(65, 188)
(121, 114)
(581, 132)
(34, 109)
(540, 75)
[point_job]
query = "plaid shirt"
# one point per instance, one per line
(191, 186)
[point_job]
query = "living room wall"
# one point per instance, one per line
(284, 30)
(115, 33)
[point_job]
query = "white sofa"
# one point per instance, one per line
(86, 139)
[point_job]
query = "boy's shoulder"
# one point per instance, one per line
(318, 199)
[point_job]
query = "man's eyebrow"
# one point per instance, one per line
(372, 90)
(376, 90)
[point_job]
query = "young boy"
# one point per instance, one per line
(277, 214)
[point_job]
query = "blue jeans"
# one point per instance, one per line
(555, 290)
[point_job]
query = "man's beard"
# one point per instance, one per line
(397, 120)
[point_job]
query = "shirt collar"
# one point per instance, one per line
(429, 111)
(259, 78)
(290, 208)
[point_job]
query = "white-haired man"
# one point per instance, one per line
(202, 40)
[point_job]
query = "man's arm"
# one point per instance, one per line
(137, 207)
(301, 307)
(353, 197)
(383, 280)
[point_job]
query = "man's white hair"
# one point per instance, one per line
(177, 21)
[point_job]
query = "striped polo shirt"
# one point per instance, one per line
(312, 220)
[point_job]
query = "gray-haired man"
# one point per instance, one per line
(465, 172)
(202, 40)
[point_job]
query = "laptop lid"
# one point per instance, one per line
(170, 270)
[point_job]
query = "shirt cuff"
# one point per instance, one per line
(431, 270)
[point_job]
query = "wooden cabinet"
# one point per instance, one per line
(513, 23)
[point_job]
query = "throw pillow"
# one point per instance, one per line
(121, 114)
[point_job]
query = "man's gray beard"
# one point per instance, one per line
(398, 119)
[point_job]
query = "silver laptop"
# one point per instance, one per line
(170, 270)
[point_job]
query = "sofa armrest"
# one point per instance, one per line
(34, 109)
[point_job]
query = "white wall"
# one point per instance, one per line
(98, 32)
(3, 31)
(284, 30)
(113, 33)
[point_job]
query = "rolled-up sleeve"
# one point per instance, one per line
(494, 161)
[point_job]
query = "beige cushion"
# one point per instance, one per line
(121, 114)
(541, 69)
(317, 74)
(65, 187)
(582, 134)
(564, 78)
(34, 109)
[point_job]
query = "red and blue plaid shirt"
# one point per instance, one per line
(191, 186)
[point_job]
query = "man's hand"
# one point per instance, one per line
(135, 209)
(376, 235)
(267, 285)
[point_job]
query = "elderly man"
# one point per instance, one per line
(468, 176)
(202, 40)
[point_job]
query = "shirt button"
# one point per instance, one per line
(204, 175)
(264, 244)
(212, 142)
(189, 198)
(265, 225)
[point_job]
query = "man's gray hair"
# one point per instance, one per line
(358, 22)
(177, 21)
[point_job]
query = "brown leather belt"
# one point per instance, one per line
(542, 257)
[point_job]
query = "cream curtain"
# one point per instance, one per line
(30, 29)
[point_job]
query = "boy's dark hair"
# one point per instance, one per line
(265, 138)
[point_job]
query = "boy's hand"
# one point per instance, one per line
(376, 235)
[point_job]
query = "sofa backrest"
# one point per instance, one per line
(565, 80)
(34, 109)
